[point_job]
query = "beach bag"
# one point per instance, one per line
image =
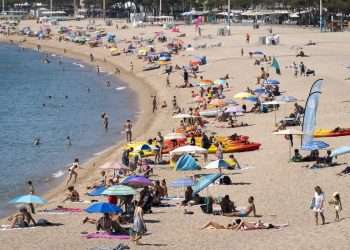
(312, 204)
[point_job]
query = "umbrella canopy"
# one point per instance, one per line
(204, 182)
(119, 190)
(315, 145)
(274, 102)
(288, 132)
(145, 147)
(340, 151)
(234, 109)
(136, 181)
(182, 116)
(96, 191)
(252, 98)
(29, 198)
(112, 165)
(182, 182)
(242, 95)
(217, 164)
(189, 149)
(271, 82)
(174, 136)
(286, 98)
(104, 207)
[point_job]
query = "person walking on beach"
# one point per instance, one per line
(160, 143)
(154, 104)
(247, 38)
(185, 78)
(128, 130)
(317, 204)
(168, 81)
(91, 57)
(139, 226)
(32, 192)
(302, 69)
(336, 202)
(73, 171)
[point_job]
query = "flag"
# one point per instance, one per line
(276, 65)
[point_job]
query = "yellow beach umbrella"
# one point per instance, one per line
(242, 95)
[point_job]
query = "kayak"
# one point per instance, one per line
(332, 132)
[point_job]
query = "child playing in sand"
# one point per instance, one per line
(336, 201)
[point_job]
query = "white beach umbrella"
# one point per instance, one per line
(274, 102)
(189, 149)
(182, 116)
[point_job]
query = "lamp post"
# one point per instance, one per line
(160, 7)
(321, 13)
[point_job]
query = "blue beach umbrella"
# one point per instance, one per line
(97, 191)
(340, 151)
(315, 145)
(182, 182)
(271, 82)
(34, 199)
(251, 99)
(204, 182)
(103, 207)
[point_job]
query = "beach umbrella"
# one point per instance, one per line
(340, 151)
(286, 98)
(182, 182)
(242, 95)
(174, 136)
(220, 82)
(271, 82)
(104, 207)
(119, 190)
(289, 132)
(218, 164)
(29, 198)
(189, 149)
(96, 191)
(136, 181)
(274, 103)
(252, 98)
(259, 91)
(183, 116)
(315, 145)
(145, 147)
(234, 109)
(204, 182)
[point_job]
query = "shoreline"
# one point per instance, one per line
(142, 119)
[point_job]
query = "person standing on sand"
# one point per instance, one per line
(154, 104)
(139, 226)
(160, 143)
(128, 130)
(317, 205)
(168, 81)
(91, 57)
(32, 192)
(185, 77)
(242, 52)
(247, 38)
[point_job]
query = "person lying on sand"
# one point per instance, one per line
(301, 54)
(346, 171)
(244, 212)
(239, 224)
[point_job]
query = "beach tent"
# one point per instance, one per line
(186, 163)
(204, 182)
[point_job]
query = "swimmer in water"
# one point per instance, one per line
(68, 141)
(36, 142)
(108, 83)
(88, 90)
(66, 97)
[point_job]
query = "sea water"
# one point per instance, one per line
(51, 101)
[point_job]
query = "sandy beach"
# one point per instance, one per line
(282, 190)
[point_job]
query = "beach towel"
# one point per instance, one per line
(105, 235)
(61, 210)
(8, 228)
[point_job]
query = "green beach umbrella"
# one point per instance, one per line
(119, 190)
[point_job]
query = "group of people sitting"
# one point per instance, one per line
(320, 162)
